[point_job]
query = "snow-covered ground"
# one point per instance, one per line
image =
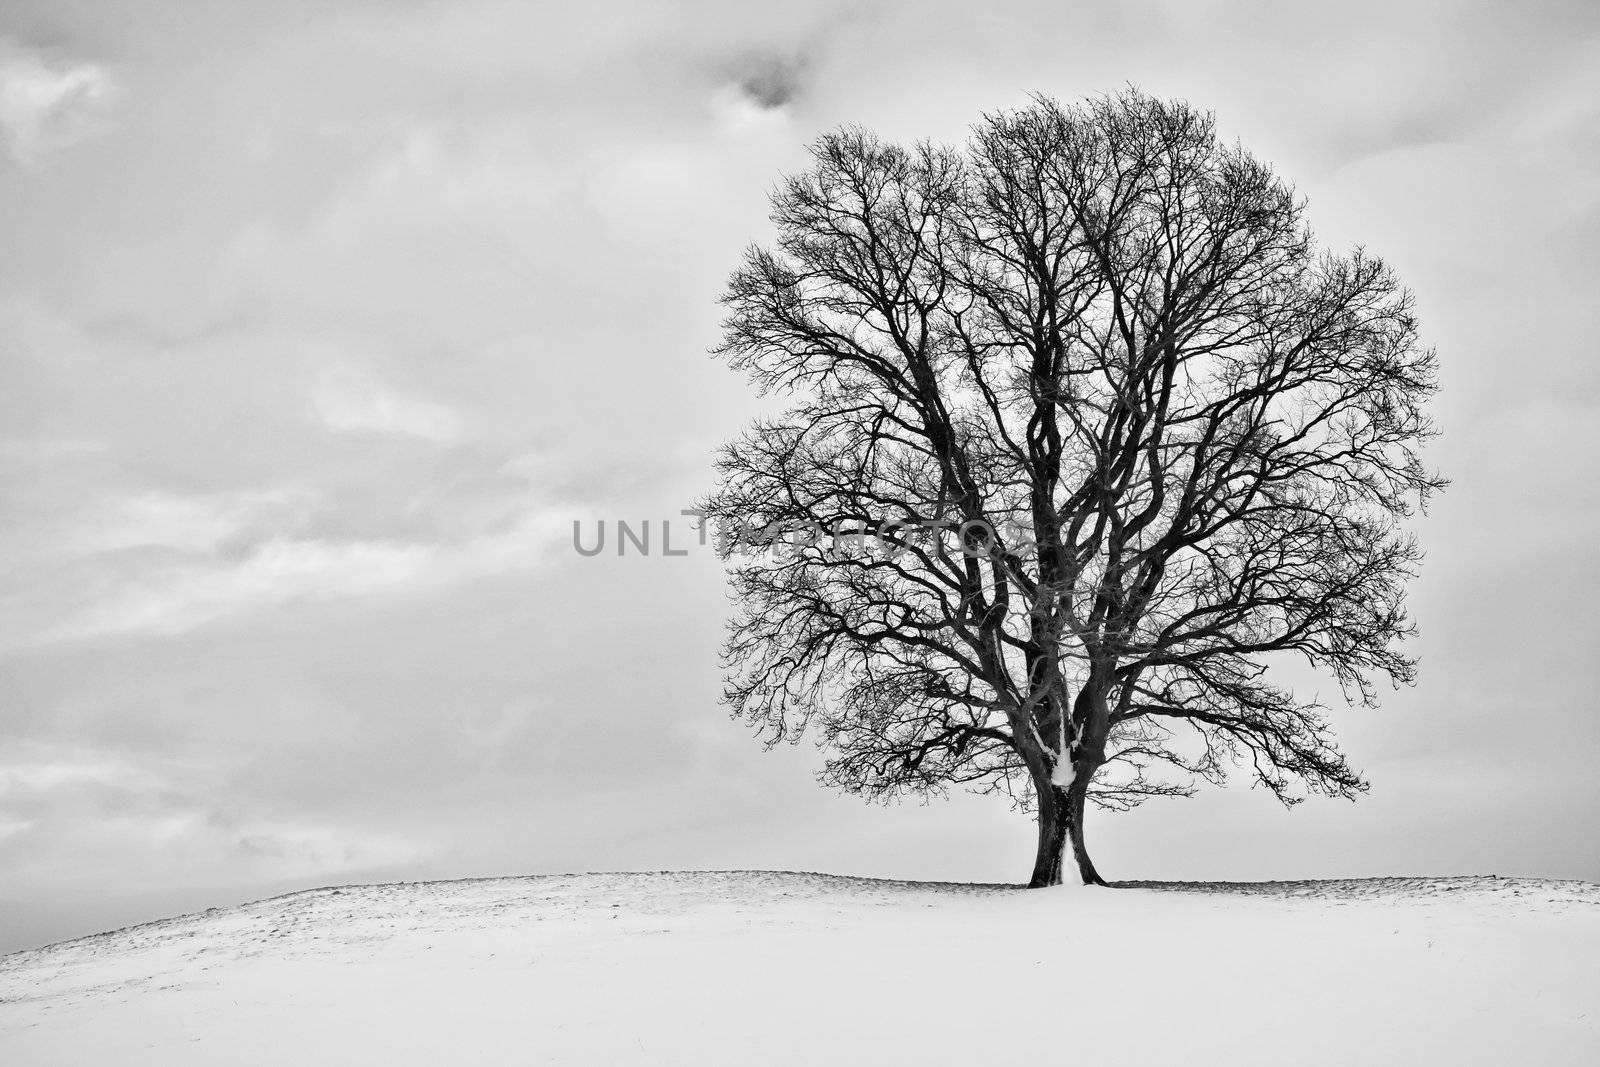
(755, 968)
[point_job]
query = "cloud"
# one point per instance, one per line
(177, 599)
(759, 94)
(128, 805)
(26, 786)
(171, 598)
(351, 406)
(47, 105)
(735, 111)
(191, 524)
(772, 81)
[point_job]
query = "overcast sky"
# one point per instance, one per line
(320, 323)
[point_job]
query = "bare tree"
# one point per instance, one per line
(1084, 434)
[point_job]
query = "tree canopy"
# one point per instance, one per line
(1084, 433)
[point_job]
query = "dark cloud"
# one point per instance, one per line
(772, 81)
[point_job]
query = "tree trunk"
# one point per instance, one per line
(1060, 828)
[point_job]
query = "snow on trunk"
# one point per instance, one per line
(1063, 773)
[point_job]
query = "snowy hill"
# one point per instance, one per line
(756, 968)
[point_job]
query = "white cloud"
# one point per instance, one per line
(736, 111)
(307, 849)
(110, 805)
(28, 781)
(46, 106)
(178, 598)
(347, 405)
(280, 571)
(195, 524)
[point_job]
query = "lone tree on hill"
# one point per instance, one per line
(1085, 434)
